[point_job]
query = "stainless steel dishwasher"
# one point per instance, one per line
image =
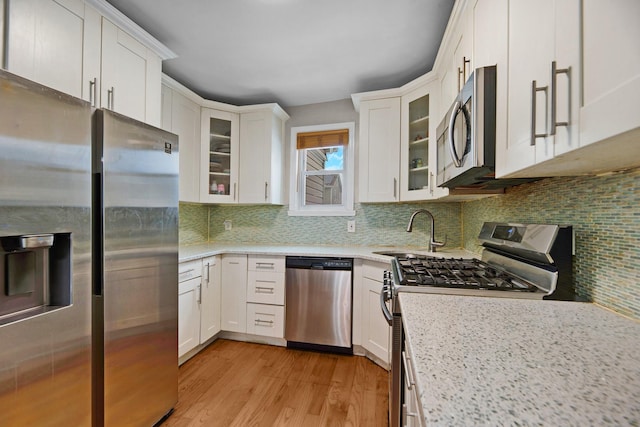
(318, 305)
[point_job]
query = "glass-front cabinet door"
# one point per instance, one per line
(219, 156)
(417, 157)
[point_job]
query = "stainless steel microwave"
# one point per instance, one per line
(466, 154)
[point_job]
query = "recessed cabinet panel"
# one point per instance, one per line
(379, 150)
(45, 42)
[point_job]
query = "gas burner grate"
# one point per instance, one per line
(457, 273)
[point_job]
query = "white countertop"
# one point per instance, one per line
(188, 253)
(482, 361)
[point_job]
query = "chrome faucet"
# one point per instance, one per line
(432, 240)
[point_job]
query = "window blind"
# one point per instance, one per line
(329, 138)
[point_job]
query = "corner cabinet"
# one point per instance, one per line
(379, 153)
(376, 332)
(418, 145)
(262, 168)
(219, 156)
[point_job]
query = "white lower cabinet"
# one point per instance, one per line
(189, 288)
(233, 311)
(410, 410)
(265, 295)
(265, 319)
(376, 332)
(210, 298)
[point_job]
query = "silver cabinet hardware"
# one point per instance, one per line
(93, 92)
(534, 105)
(554, 95)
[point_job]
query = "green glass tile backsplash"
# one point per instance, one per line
(605, 214)
(376, 224)
(604, 211)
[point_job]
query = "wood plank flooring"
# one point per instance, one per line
(234, 383)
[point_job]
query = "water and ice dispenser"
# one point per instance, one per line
(35, 274)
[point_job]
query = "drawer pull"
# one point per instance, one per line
(264, 290)
(260, 322)
(407, 373)
(264, 265)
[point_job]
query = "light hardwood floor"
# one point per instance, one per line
(234, 383)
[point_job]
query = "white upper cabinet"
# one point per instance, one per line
(181, 116)
(219, 156)
(543, 83)
(490, 47)
(611, 87)
(418, 145)
(131, 76)
(45, 42)
(262, 156)
(379, 151)
(70, 46)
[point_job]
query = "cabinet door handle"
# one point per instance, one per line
(93, 95)
(465, 61)
(111, 98)
(460, 73)
(431, 183)
(208, 273)
(199, 294)
(5, 35)
(395, 188)
(534, 105)
(554, 95)
(234, 191)
(266, 187)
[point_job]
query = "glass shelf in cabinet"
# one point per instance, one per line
(219, 136)
(420, 169)
(419, 121)
(419, 141)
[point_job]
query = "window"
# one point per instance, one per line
(322, 159)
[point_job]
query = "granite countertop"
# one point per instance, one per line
(482, 361)
(191, 252)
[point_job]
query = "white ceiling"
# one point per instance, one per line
(293, 52)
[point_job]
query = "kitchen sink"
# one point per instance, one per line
(396, 254)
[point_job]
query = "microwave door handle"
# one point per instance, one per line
(457, 161)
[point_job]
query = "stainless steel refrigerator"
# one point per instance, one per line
(135, 271)
(88, 263)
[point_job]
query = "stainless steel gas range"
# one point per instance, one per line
(518, 261)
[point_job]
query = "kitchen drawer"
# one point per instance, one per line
(189, 270)
(375, 270)
(266, 320)
(265, 287)
(266, 263)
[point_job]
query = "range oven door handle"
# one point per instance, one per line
(386, 290)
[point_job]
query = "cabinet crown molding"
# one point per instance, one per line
(275, 108)
(122, 21)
